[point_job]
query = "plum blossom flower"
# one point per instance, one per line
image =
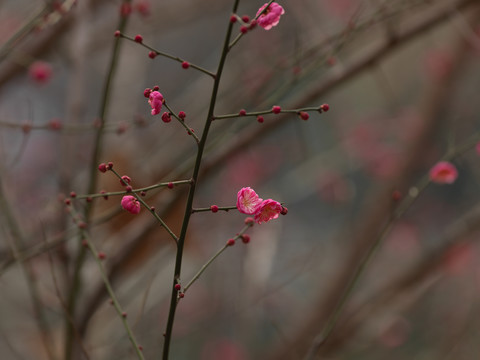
(443, 173)
(131, 204)
(271, 17)
(267, 210)
(247, 201)
(155, 100)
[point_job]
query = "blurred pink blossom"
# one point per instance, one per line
(395, 333)
(438, 63)
(443, 173)
(477, 148)
(143, 7)
(223, 349)
(342, 9)
(131, 204)
(459, 258)
(40, 72)
(404, 240)
(248, 201)
(271, 17)
(334, 188)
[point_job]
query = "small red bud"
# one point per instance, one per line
(156, 88)
(178, 287)
(276, 109)
(166, 118)
(181, 295)
(243, 29)
(152, 208)
(89, 199)
(128, 189)
(124, 314)
(138, 39)
(102, 167)
(245, 18)
(147, 92)
(233, 19)
(230, 242)
(249, 221)
(101, 255)
(260, 119)
(67, 201)
(185, 65)
(125, 180)
(73, 194)
(117, 33)
(242, 112)
(304, 115)
(55, 124)
(245, 238)
(104, 196)
(110, 165)
(143, 193)
(325, 107)
(152, 54)
(170, 185)
(82, 225)
(284, 210)
(214, 208)
(253, 24)
(182, 115)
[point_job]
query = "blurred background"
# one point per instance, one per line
(401, 78)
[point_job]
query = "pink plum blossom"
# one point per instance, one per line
(271, 17)
(131, 204)
(267, 210)
(443, 173)
(143, 7)
(247, 201)
(155, 100)
(40, 72)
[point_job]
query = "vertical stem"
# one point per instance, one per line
(76, 280)
(191, 193)
(18, 241)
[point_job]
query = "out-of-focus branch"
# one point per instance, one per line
(457, 232)
(74, 289)
(18, 242)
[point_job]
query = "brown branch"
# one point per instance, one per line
(461, 229)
